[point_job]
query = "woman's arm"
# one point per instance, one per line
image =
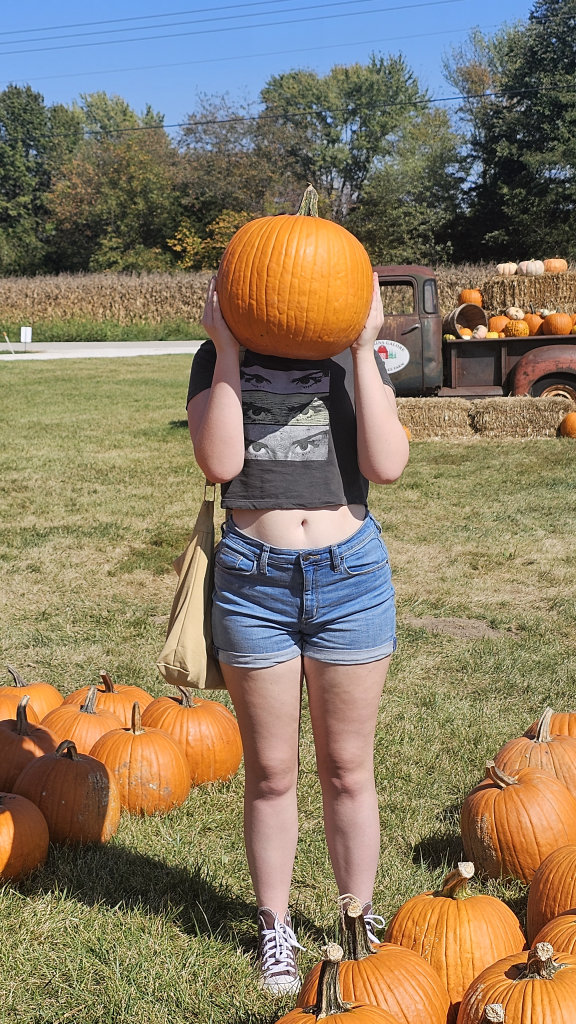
(382, 443)
(215, 416)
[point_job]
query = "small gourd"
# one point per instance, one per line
(515, 313)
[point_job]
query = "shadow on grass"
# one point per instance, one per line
(178, 424)
(121, 878)
(443, 849)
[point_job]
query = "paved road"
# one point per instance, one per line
(95, 349)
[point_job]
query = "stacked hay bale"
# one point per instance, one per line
(548, 291)
(432, 419)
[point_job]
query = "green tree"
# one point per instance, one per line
(522, 199)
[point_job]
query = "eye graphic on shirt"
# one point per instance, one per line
(288, 444)
(254, 379)
(286, 413)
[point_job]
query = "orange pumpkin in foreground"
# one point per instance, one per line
(20, 742)
(553, 754)
(115, 697)
(535, 987)
(552, 890)
(390, 976)
(297, 286)
(458, 932)
(327, 1003)
(24, 838)
(568, 425)
(43, 696)
(560, 932)
(556, 323)
(83, 724)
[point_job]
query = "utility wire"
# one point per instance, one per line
(234, 28)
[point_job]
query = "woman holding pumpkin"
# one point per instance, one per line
(302, 590)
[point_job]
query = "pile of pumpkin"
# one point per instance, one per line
(514, 322)
(68, 765)
(533, 268)
(457, 956)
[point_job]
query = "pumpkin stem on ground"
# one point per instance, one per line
(493, 1014)
(107, 681)
(309, 204)
(136, 726)
(18, 680)
(499, 778)
(540, 963)
(329, 997)
(543, 727)
(354, 937)
(455, 885)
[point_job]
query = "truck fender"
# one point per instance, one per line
(542, 362)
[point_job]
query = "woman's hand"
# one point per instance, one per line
(215, 324)
(374, 321)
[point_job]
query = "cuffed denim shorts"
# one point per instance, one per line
(335, 604)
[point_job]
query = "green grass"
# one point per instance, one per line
(98, 492)
(84, 329)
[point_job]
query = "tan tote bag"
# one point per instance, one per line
(187, 658)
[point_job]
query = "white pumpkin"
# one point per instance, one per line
(480, 332)
(531, 268)
(515, 313)
(507, 269)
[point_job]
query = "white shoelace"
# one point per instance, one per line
(373, 921)
(277, 947)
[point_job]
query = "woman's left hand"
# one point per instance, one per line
(374, 321)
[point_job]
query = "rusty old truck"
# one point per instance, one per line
(422, 363)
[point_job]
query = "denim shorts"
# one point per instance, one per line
(335, 604)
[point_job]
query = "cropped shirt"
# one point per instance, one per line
(299, 430)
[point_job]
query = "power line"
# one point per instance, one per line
(235, 28)
(250, 56)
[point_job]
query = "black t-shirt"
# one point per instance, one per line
(299, 430)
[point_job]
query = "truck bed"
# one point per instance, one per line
(481, 367)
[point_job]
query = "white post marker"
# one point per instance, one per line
(25, 336)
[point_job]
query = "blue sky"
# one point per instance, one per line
(169, 53)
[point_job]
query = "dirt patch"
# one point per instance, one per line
(472, 629)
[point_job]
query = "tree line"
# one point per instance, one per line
(97, 186)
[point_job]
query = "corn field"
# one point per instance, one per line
(156, 298)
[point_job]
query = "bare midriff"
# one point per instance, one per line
(298, 528)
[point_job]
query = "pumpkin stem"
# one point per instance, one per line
(540, 963)
(67, 749)
(543, 727)
(354, 937)
(89, 705)
(309, 204)
(22, 723)
(329, 997)
(18, 680)
(493, 1014)
(107, 682)
(455, 885)
(498, 777)
(136, 726)
(187, 696)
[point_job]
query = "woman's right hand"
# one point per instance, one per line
(215, 324)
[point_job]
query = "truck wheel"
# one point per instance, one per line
(560, 386)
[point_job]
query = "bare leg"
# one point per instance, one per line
(267, 704)
(344, 702)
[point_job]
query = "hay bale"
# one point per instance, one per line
(518, 417)
(436, 418)
(548, 291)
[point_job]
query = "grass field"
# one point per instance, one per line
(98, 491)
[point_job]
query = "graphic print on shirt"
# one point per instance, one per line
(286, 413)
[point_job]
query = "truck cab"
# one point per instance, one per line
(410, 341)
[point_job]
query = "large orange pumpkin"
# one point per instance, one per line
(556, 323)
(552, 890)
(21, 742)
(458, 932)
(83, 724)
(24, 838)
(149, 766)
(538, 985)
(297, 286)
(470, 295)
(43, 696)
(390, 976)
(77, 795)
(509, 824)
(554, 754)
(115, 697)
(497, 323)
(560, 932)
(206, 729)
(327, 1003)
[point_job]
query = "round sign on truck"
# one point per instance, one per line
(395, 355)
